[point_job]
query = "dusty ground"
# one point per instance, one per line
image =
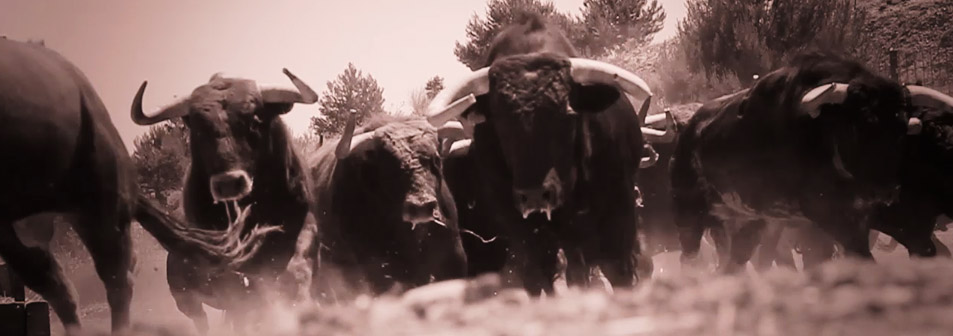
(895, 296)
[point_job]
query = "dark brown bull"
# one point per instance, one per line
(819, 142)
(557, 146)
(61, 153)
(242, 157)
(385, 214)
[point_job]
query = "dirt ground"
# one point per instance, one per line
(894, 296)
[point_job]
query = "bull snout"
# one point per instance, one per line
(542, 200)
(419, 212)
(230, 186)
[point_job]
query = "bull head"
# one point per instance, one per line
(587, 87)
(872, 108)
(405, 163)
(232, 123)
(836, 93)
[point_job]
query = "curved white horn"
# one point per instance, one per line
(651, 159)
(177, 109)
(459, 148)
(587, 71)
(277, 94)
(833, 93)
(659, 117)
(454, 99)
(344, 144)
(926, 97)
(655, 136)
(452, 130)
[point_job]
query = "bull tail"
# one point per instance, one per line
(223, 248)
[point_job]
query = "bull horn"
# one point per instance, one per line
(926, 97)
(344, 144)
(651, 159)
(459, 148)
(302, 94)
(452, 130)
(177, 109)
(655, 136)
(657, 118)
(833, 93)
(349, 142)
(455, 99)
(587, 71)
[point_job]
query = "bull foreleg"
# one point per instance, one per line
(301, 265)
(537, 263)
(743, 243)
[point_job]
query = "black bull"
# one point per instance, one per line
(242, 157)
(556, 148)
(61, 153)
(820, 141)
(385, 214)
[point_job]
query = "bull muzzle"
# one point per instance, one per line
(421, 212)
(539, 200)
(230, 186)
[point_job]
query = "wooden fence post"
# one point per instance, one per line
(21, 318)
(10, 284)
(894, 66)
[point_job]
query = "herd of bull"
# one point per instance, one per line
(540, 163)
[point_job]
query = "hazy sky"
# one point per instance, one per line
(177, 45)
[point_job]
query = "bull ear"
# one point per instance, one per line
(593, 98)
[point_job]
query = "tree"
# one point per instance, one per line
(161, 159)
(433, 86)
(749, 37)
(603, 26)
(499, 13)
(614, 23)
(351, 90)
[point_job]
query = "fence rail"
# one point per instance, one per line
(916, 67)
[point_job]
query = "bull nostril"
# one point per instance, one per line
(524, 198)
(547, 195)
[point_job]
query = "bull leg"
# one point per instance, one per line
(42, 274)
(854, 238)
(189, 305)
(537, 265)
(577, 271)
(721, 241)
(817, 247)
(767, 252)
(620, 248)
(743, 244)
(107, 238)
(301, 264)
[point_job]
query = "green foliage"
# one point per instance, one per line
(433, 86)
(161, 157)
(351, 90)
(499, 13)
(615, 23)
(603, 26)
(745, 38)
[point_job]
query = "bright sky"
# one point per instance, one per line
(178, 44)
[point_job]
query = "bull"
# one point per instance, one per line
(386, 218)
(243, 159)
(556, 145)
(818, 141)
(62, 154)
